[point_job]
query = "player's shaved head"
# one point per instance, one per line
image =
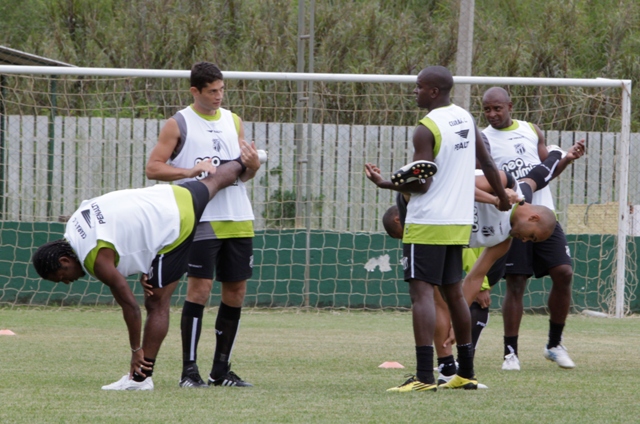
(496, 94)
(391, 222)
(437, 76)
(547, 221)
(532, 223)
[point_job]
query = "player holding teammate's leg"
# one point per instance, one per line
(438, 224)
(518, 146)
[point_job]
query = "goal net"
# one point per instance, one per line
(69, 134)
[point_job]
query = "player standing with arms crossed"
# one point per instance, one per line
(516, 147)
(438, 223)
(224, 238)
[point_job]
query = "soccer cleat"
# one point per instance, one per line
(413, 171)
(554, 147)
(126, 384)
(511, 362)
(458, 382)
(191, 378)
(414, 385)
(442, 379)
(560, 356)
(230, 379)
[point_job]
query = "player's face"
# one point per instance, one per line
(210, 97)
(497, 113)
(69, 272)
(424, 93)
(528, 232)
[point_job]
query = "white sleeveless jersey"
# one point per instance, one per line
(217, 140)
(449, 200)
(515, 150)
(138, 223)
(491, 226)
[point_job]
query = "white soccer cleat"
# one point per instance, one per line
(555, 147)
(126, 384)
(511, 362)
(560, 356)
(262, 156)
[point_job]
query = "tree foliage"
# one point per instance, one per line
(526, 38)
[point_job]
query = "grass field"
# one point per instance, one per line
(311, 367)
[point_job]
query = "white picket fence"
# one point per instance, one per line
(92, 156)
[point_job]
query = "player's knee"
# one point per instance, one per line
(198, 290)
(516, 285)
(233, 293)
(561, 275)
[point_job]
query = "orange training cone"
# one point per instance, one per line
(391, 365)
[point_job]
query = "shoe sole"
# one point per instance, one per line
(418, 170)
(564, 367)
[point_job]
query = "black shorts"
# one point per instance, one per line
(231, 258)
(434, 264)
(169, 267)
(528, 258)
(497, 270)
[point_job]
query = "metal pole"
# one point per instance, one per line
(2, 142)
(464, 55)
(299, 133)
(623, 189)
(300, 109)
(308, 192)
(51, 146)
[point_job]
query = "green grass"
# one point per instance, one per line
(309, 367)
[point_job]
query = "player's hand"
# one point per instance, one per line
(577, 150)
(512, 195)
(373, 173)
(138, 364)
(484, 298)
(249, 155)
(202, 168)
(451, 340)
(148, 288)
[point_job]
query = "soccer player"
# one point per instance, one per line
(224, 237)
(438, 224)
(147, 230)
(492, 229)
(518, 146)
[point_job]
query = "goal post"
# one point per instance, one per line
(319, 238)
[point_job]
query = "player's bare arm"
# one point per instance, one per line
(473, 281)
(157, 167)
(575, 152)
(542, 145)
(105, 271)
(249, 157)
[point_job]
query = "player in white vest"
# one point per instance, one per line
(224, 238)
(492, 230)
(517, 146)
(438, 224)
(147, 230)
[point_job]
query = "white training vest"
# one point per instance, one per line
(449, 200)
(491, 226)
(217, 140)
(515, 150)
(137, 222)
